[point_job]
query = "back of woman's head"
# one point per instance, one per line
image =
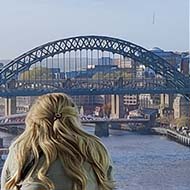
(46, 106)
(53, 128)
(52, 114)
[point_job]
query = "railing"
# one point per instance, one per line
(89, 86)
(88, 83)
(92, 120)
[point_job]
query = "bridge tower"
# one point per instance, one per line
(117, 106)
(166, 100)
(114, 106)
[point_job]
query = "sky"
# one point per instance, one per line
(25, 24)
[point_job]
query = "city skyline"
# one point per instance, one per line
(28, 24)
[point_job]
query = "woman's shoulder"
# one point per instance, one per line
(13, 148)
(33, 186)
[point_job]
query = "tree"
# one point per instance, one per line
(164, 120)
(113, 75)
(107, 109)
(98, 75)
(37, 73)
(183, 122)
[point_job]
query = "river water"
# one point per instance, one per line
(147, 162)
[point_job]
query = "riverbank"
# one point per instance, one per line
(173, 135)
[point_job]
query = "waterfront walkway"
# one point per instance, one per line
(174, 135)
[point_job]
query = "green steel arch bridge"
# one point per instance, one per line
(89, 65)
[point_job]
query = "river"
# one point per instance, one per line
(148, 162)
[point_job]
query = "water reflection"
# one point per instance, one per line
(144, 162)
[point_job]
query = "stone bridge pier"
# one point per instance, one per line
(102, 129)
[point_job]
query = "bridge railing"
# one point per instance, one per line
(20, 120)
(87, 83)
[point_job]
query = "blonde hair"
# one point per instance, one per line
(55, 137)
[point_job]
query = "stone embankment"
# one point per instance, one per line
(173, 135)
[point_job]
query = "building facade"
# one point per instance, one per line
(181, 107)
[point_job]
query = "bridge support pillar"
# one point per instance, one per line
(114, 106)
(1, 142)
(10, 106)
(102, 129)
(13, 130)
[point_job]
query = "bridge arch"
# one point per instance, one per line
(117, 46)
